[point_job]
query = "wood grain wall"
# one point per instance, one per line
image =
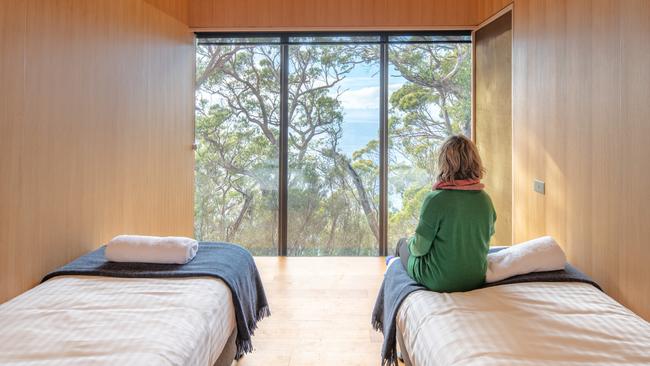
(487, 8)
(96, 127)
(493, 117)
(178, 9)
(336, 14)
(581, 91)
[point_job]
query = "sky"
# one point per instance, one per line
(361, 112)
(361, 106)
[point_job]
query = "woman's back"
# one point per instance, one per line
(449, 252)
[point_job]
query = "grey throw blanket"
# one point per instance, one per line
(228, 262)
(397, 285)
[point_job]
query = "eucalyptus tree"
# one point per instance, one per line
(333, 197)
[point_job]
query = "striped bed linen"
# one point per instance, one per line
(538, 323)
(83, 320)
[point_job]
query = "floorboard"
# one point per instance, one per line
(320, 310)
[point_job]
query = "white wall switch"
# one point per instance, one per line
(539, 186)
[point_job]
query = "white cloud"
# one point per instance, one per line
(393, 87)
(362, 98)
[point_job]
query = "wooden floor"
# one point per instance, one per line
(320, 310)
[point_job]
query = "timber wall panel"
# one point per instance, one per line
(331, 14)
(178, 9)
(97, 127)
(493, 105)
(487, 8)
(581, 90)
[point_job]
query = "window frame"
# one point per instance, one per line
(285, 40)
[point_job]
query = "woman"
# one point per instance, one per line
(449, 250)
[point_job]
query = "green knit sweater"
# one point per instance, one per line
(449, 249)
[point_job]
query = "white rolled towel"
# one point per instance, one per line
(537, 255)
(151, 249)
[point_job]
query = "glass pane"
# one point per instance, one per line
(237, 129)
(429, 99)
(333, 181)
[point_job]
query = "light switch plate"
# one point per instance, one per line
(539, 186)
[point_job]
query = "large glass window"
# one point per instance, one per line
(237, 133)
(326, 116)
(333, 184)
(429, 99)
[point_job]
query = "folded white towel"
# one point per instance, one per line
(537, 255)
(151, 249)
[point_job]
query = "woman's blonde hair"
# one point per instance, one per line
(459, 160)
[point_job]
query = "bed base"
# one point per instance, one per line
(227, 355)
(404, 355)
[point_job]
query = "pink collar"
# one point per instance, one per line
(461, 185)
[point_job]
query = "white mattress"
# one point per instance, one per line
(522, 324)
(83, 320)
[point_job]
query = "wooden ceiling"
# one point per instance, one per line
(246, 15)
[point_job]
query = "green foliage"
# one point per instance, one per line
(432, 104)
(333, 198)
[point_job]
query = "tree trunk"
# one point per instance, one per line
(364, 200)
(330, 241)
(234, 228)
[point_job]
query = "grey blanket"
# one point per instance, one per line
(228, 262)
(397, 285)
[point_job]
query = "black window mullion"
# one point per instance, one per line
(284, 148)
(383, 147)
(213, 38)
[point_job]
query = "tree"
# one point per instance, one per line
(237, 123)
(432, 104)
(333, 198)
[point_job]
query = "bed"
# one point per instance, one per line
(534, 323)
(136, 318)
(551, 317)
